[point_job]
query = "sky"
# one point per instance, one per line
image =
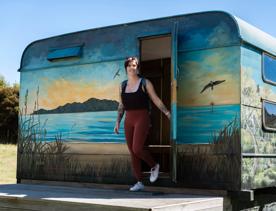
(23, 22)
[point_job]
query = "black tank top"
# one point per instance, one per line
(135, 100)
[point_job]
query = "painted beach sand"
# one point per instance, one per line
(97, 148)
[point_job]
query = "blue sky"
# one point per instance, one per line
(23, 22)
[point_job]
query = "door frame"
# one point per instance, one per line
(173, 80)
(174, 75)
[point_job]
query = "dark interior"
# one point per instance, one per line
(158, 141)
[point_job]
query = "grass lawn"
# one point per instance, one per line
(8, 163)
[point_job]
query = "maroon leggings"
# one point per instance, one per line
(136, 131)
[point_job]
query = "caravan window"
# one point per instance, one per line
(269, 69)
(269, 115)
(64, 53)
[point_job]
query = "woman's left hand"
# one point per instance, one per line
(168, 114)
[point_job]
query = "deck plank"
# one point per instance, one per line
(46, 197)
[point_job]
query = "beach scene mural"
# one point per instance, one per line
(208, 94)
(66, 124)
(208, 118)
(79, 102)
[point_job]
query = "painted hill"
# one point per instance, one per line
(92, 104)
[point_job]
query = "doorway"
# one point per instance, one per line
(155, 60)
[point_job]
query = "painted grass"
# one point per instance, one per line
(8, 163)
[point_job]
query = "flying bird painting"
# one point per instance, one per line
(117, 73)
(211, 85)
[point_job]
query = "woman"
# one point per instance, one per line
(134, 99)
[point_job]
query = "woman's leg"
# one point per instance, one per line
(141, 130)
(129, 131)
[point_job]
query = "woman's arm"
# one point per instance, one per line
(121, 112)
(155, 99)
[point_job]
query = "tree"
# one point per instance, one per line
(2, 82)
(9, 107)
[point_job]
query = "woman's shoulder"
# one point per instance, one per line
(146, 81)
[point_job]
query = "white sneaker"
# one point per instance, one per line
(137, 187)
(154, 173)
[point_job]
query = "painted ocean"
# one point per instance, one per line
(84, 126)
(198, 124)
(195, 124)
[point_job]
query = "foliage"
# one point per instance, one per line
(9, 106)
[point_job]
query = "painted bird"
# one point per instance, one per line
(117, 73)
(211, 84)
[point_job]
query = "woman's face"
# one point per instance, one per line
(132, 68)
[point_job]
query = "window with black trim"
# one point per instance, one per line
(269, 69)
(269, 115)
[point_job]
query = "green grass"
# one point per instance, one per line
(8, 163)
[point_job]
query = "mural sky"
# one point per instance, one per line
(59, 86)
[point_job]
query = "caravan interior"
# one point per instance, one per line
(155, 57)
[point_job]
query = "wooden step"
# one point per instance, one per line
(159, 148)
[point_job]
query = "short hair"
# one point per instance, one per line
(130, 59)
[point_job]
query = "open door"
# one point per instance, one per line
(155, 57)
(174, 73)
(158, 56)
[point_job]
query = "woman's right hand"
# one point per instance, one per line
(116, 128)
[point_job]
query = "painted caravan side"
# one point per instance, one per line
(69, 98)
(258, 50)
(258, 97)
(208, 126)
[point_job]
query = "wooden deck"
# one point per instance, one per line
(49, 197)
